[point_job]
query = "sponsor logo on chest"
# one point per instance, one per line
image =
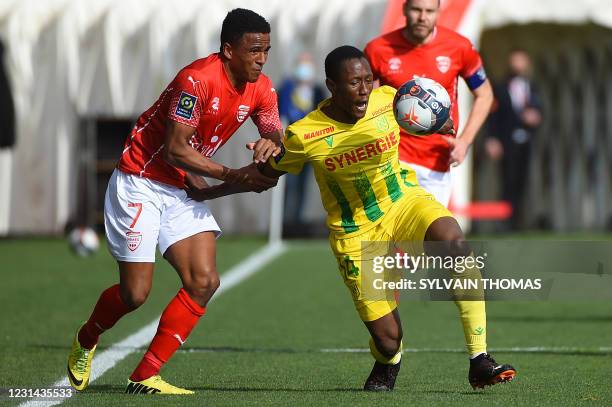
(317, 133)
(213, 108)
(361, 153)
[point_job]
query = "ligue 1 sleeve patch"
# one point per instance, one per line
(185, 105)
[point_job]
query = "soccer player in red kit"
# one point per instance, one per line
(424, 49)
(146, 201)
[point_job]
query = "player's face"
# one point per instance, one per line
(421, 17)
(248, 56)
(350, 93)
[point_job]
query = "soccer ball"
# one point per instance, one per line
(83, 241)
(421, 106)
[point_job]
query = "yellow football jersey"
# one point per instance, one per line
(355, 165)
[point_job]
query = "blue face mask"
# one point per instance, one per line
(304, 72)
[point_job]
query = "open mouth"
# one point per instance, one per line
(361, 106)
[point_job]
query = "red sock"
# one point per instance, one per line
(108, 310)
(175, 325)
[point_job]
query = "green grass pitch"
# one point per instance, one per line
(282, 337)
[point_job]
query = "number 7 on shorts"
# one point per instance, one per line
(135, 205)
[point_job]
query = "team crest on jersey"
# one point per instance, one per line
(443, 63)
(241, 114)
(185, 105)
(133, 239)
(395, 64)
(382, 125)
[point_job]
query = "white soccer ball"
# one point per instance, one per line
(421, 106)
(83, 241)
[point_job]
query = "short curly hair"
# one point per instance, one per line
(240, 21)
(334, 60)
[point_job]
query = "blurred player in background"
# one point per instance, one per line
(424, 49)
(146, 203)
(298, 95)
(515, 117)
(352, 140)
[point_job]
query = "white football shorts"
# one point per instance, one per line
(140, 213)
(435, 182)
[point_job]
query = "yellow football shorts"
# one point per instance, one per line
(407, 221)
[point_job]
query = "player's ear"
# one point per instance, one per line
(331, 86)
(227, 50)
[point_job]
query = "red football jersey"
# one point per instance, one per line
(444, 58)
(201, 96)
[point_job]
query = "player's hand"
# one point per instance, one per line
(263, 149)
(449, 127)
(250, 178)
(458, 150)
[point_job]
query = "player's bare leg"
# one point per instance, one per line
(386, 347)
(484, 371)
(194, 260)
(135, 281)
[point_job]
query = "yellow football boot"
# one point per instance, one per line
(154, 385)
(79, 364)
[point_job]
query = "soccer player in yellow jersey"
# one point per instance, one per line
(351, 140)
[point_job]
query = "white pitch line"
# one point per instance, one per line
(532, 349)
(110, 357)
(517, 349)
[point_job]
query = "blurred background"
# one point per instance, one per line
(75, 74)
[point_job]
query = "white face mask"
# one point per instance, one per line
(304, 72)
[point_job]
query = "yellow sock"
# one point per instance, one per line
(474, 320)
(472, 312)
(382, 359)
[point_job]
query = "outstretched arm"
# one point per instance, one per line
(225, 189)
(179, 153)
